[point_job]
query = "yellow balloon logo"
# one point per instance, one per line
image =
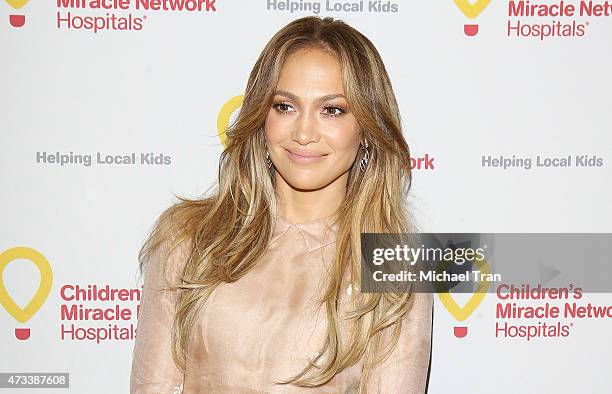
(223, 119)
(471, 11)
(46, 279)
(461, 313)
(17, 4)
(17, 20)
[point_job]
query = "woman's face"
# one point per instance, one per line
(311, 133)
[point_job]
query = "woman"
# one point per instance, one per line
(263, 276)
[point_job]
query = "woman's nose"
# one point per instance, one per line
(305, 130)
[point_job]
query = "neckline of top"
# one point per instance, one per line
(325, 219)
(316, 233)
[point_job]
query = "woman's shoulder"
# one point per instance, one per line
(179, 218)
(170, 240)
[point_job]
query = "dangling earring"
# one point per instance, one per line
(363, 163)
(268, 160)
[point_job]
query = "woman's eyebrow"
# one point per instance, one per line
(321, 99)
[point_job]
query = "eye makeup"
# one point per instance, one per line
(339, 109)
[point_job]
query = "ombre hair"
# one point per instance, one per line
(228, 231)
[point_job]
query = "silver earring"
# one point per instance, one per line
(363, 163)
(268, 160)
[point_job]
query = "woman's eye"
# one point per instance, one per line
(282, 107)
(334, 110)
(330, 110)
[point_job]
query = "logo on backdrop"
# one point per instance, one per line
(527, 162)
(228, 109)
(89, 313)
(103, 159)
(17, 20)
(125, 15)
(541, 21)
(315, 7)
(106, 15)
(471, 11)
(461, 313)
(98, 313)
(22, 315)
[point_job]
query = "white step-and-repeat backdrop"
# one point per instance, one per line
(108, 107)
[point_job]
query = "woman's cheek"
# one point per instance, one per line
(343, 139)
(274, 128)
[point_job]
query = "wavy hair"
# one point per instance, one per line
(228, 231)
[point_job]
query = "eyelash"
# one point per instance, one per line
(327, 107)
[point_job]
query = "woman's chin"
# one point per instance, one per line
(306, 181)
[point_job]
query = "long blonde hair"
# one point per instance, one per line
(229, 231)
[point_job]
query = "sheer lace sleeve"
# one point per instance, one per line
(406, 369)
(153, 368)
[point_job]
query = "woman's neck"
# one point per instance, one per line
(298, 206)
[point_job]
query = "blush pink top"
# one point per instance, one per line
(263, 327)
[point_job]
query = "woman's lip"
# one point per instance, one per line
(304, 159)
